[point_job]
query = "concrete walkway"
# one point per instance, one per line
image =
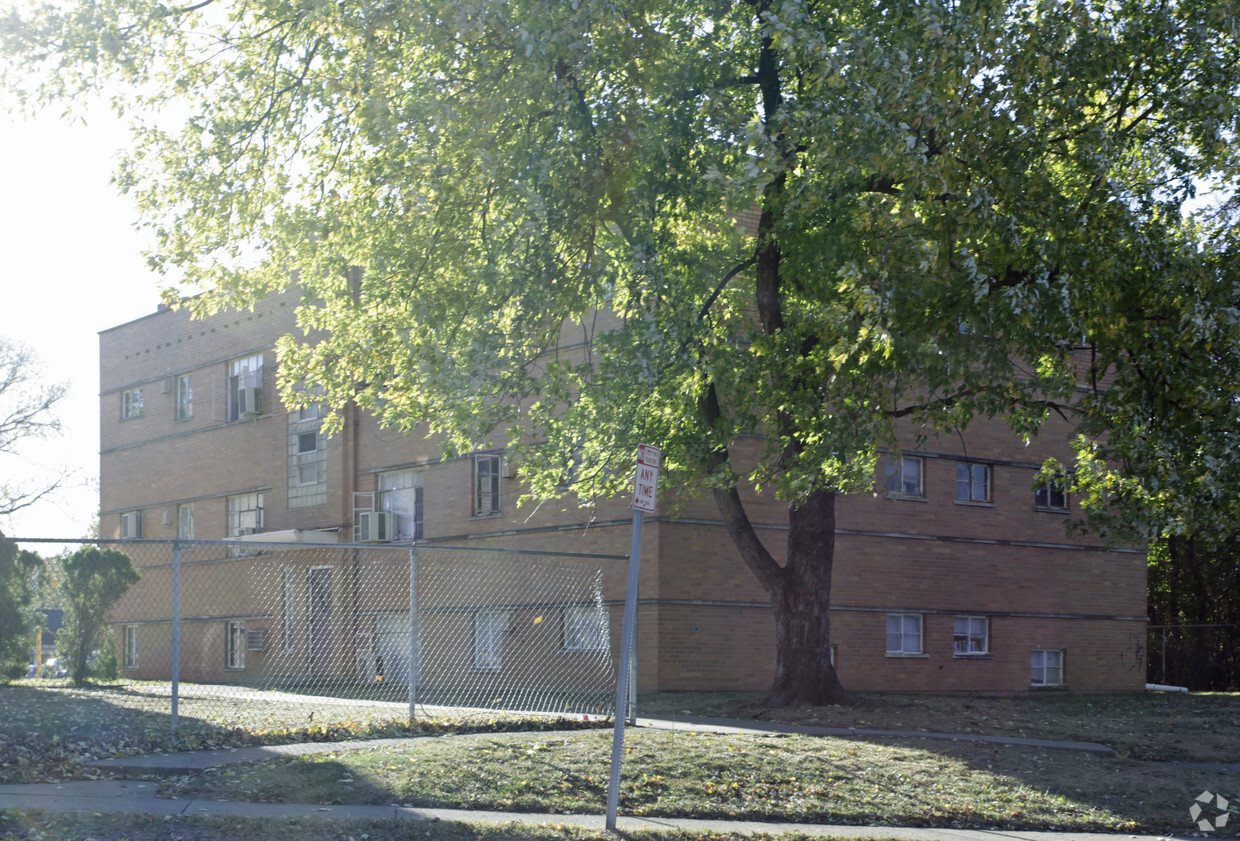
(136, 796)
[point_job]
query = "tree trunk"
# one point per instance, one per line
(800, 593)
(804, 675)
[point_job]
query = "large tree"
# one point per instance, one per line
(568, 226)
(28, 405)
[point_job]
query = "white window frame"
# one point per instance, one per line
(899, 469)
(487, 485)
(970, 636)
(130, 645)
(400, 492)
(245, 511)
(489, 640)
(131, 525)
(308, 474)
(586, 628)
(1047, 663)
(185, 397)
(236, 643)
(1052, 496)
(967, 481)
(901, 634)
(313, 436)
(132, 404)
(245, 372)
(185, 521)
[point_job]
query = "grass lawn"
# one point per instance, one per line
(907, 782)
(51, 733)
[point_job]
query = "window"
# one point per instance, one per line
(185, 522)
(131, 647)
(1051, 495)
(131, 525)
(486, 485)
(971, 635)
(245, 514)
(400, 492)
(904, 476)
(131, 404)
(306, 457)
(235, 656)
(1047, 667)
(586, 628)
(307, 460)
(904, 633)
(185, 397)
(290, 602)
(972, 482)
(488, 640)
(308, 413)
(245, 387)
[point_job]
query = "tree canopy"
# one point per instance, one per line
(957, 209)
(27, 412)
(19, 570)
(93, 581)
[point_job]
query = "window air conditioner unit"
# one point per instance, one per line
(249, 400)
(375, 527)
(131, 525)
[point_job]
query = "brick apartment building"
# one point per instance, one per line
(955, 575)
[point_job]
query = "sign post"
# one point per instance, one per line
(645, 499)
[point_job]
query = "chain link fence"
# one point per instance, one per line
(296, 632)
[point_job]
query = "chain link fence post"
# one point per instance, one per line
(174, 665)
(415, 654)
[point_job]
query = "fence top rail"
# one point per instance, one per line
(265, 544)
(1174, 627)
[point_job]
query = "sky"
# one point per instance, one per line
(72, 266)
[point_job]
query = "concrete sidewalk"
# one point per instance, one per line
(135, 796)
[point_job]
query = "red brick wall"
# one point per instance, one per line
(703, 619)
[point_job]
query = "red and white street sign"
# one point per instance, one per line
(646, 481)
(648, 455)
